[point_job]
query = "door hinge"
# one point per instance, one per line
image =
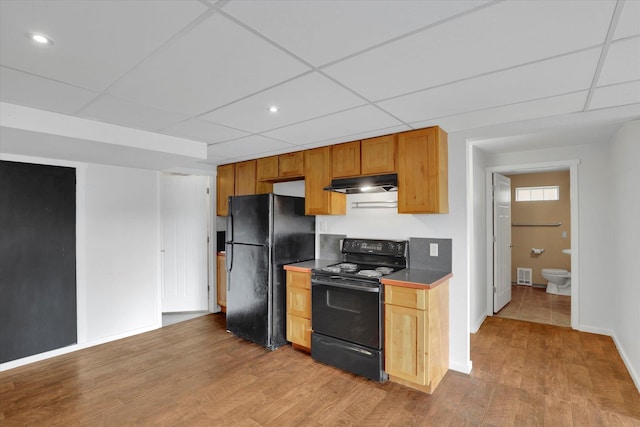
(207, 190)
(207, 239)
(495, 239)
(495, 290)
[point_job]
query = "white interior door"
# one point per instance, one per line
(184, 201)
(501, 241)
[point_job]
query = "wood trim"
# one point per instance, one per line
(406, 284)
(296, 268)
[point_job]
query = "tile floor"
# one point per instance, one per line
(536, 305)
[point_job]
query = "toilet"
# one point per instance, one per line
(559, 281)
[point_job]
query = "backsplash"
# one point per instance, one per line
(330, 246)
(420, 258)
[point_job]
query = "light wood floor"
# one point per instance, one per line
(194, 373)
(536, 305)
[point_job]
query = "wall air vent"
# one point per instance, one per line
(524, 276)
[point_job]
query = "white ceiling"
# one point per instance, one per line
(209, 70)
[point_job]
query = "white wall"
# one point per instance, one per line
(388, 224)
(121, 251)
(117, 253)
(594, 189)
(625, 206)
(478, 239)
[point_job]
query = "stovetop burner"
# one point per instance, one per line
(359, 269)
(369, 273)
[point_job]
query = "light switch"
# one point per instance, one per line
(564, 234)
(433, 249)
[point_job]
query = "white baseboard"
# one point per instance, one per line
(75, 347)
(475, 327)
(465, 368)
(627, 362)
(595, 330)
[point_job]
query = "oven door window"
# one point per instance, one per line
(347, 314)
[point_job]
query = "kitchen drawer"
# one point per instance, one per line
(299, 279)
(405, 297)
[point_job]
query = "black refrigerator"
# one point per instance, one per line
(264, 232)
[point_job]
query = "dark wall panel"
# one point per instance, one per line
(37, 259)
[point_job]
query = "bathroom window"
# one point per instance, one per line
(536, 194)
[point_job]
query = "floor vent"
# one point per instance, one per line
(524, 276)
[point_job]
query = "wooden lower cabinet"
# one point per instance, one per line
(221, 281)
(299, 309)
(417, 335)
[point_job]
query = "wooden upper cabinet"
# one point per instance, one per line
(378, 155)
(423, 171)
(345, 160)
(317, 175)
(267, 168)
(291, 165)
(245, 179)
(225, 187)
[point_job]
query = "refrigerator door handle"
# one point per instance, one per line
(230, 226)
(228, 257)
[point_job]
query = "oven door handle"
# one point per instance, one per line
(372, 288)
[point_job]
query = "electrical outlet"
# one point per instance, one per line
(433, 249)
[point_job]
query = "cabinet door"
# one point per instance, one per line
(317, 175)
(405, 350)
(299, 302)
(423, 171)
(291, 165)
(245, 178)
(378, 155)
(345, 159)
(221, 281)
(299, 331)
(225, 187)
(267, 168)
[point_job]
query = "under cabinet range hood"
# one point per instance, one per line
(365, 184)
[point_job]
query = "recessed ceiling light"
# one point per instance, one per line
(41, 38)
(274, 109)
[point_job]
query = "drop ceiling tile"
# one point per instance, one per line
(304, 98)
(629, 23)
(320, 32)
(337, 125)
(622, 63)
(359, 136)
(557, 105)
(21, 88)
(95, 42)
(252, 145)
(500, 36)
(202, 130)
(110, 109)
(214, 64)
(612, 96)
(539, 80)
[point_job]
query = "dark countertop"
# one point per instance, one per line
(306, 266)
(415, 278)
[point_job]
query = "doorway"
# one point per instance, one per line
(535, 295)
